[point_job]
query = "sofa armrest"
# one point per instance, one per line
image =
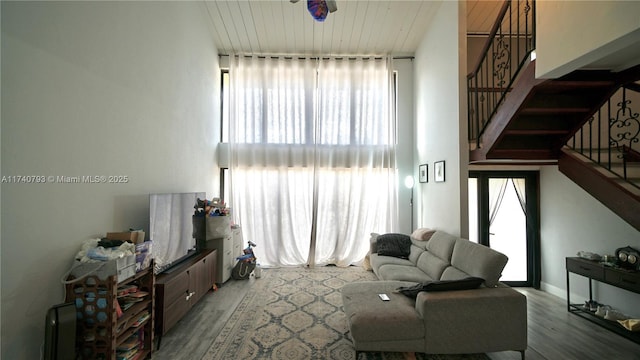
(474, 321)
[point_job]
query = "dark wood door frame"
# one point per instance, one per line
(532, 190)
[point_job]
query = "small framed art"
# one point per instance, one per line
(423, 173)
(438, 171)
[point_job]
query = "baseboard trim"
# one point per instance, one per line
(561, 293)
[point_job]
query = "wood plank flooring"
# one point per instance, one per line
(554, 333)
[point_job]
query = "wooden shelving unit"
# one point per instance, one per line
(110, 326)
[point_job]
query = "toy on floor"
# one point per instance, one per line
(246, 263)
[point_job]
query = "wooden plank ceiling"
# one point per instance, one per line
(358, 27)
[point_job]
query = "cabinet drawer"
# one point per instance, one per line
(176, 288)
(228, 242)
(174, 312)
(585, 268)
(229, 260)
(629, 281)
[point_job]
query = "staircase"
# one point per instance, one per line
(539, 116)
(583, 121)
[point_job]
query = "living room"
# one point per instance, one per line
(133, 89)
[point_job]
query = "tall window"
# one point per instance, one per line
(224, 132)
(312, 144)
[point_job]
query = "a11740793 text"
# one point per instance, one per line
(65, 179)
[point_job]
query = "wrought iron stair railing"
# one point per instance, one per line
(611, 137)
(507, 50)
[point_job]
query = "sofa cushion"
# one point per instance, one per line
(431, 265)
(396, 245)
(453, 273)
(378, 260)
(441, 245)
(478, 261)
(415, 253)
(375, 320)
(402, 273)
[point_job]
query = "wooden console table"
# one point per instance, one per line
(593, 270)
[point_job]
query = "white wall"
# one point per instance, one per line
(95, 88)
(406, 140)
(573, 34)
(440, 72)
(571, 221)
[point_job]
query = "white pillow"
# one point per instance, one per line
(422, 234)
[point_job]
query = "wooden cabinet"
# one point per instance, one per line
(181, 287)
(114, 318)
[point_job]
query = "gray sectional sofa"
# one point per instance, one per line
(489, 318)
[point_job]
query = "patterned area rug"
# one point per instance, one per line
(295, 314)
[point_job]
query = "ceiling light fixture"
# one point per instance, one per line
(319, 9)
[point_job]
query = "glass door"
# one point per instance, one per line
(508, 226)
(503, 215)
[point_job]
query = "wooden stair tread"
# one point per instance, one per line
(490, 89)
(554, 110)
(531, 132)
(633, 86)
(575, 84)
(551, 110)
(523, 154)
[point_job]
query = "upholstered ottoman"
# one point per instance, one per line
(378, 325)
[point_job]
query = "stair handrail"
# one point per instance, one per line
(485, 93)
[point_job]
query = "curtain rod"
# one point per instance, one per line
(300, 57)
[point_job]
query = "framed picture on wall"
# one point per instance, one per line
(438, 171)
(423, 173)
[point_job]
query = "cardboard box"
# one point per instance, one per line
(217, 227)
(133, 236)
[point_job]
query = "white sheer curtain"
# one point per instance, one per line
(497, 187)
(312, 145)
(519, 185)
